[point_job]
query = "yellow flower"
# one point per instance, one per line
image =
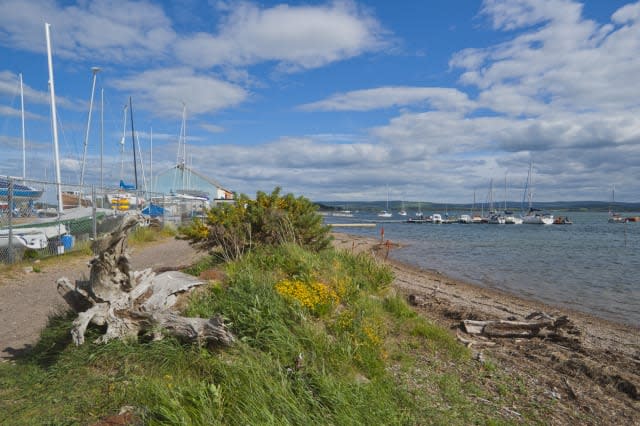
(310, 295)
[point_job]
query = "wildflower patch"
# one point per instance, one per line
(316, 296)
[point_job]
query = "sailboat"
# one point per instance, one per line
(386, 213)
(20, 191)
(534, 216)
(613, 216)
(125, 198)
(494, 217)
(71, 199)
(509, 217)
(402, 211)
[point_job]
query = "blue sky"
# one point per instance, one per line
(336, 100)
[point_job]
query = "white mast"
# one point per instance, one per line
(24, 161)
(101, 139)
(54, 118)
(124, 133)
(95, 71)
(151, 160)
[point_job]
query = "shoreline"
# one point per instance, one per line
(593, 369)
(438, 276)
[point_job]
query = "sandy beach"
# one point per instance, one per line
(591, 370)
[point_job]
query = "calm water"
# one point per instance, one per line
(592, 266)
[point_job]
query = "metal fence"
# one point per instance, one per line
(34, 225)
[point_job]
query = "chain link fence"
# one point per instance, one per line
(32, 224)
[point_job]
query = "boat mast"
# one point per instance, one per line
(101, 139)
(133, 138)
(505, 192)
(95, 71)
(122, 140)
(151, 159)
(24, 161)
(54, 118)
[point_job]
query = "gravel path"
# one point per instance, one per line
(28, 298)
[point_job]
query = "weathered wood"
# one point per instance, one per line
(200, 330)
(129, 302)
(506, 328)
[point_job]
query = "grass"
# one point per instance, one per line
(363, 357)
(147, 234)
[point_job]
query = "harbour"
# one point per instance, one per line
(590, 266)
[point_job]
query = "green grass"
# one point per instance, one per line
(146, 234)
(367, 359)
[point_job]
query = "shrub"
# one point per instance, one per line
(270, 220)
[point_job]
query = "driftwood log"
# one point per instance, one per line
(531, 326)
(131, 303)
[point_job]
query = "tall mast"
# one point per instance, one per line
(101, 137)
(94, 71)
(133, 139)
(24, 161)
(505, 192)
(54, 119)
(151, 160)
(122, 140)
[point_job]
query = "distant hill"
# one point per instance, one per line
(427, 206)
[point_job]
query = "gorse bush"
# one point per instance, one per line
(270, 220)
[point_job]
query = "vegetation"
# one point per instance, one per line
(322, 338)
(146, 234)
(230, 230)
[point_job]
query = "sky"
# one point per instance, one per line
(333, 100)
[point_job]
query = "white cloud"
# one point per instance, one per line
(386, 97)
(10, 85)
(163, 92)
(559, 62)
(111, 30)
(212, 128)
(295, 37)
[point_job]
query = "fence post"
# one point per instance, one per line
(94, 213)
(10, 207)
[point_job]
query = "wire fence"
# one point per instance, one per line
(34, 224)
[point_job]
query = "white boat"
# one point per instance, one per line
(511, 219)
(465, 218)
(537, 217)
(402, 211)
(436, 218)
(613, 216)
(496, 218)
(534, 216)
(35, 238)
(386, 212)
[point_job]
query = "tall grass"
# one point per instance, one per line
(364, 358)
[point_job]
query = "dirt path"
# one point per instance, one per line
(28, 298)
(591, 376)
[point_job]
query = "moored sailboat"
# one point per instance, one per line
(534, 216)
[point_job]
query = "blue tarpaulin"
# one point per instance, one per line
(153, 210)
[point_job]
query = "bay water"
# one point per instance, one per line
(591, 266)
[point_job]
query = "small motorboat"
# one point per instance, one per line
(562, 220)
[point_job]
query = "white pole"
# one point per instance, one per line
(151, 162)
(95, 71)
(101, 140)
(24, 161)
(54, 119)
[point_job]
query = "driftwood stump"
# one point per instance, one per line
(131, 303)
